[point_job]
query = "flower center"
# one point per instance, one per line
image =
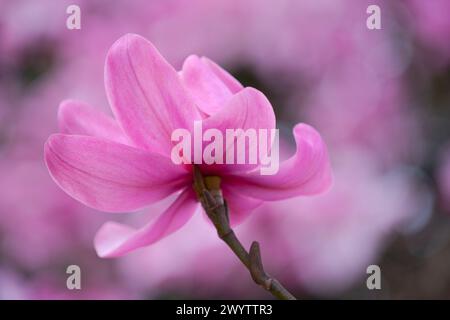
(210, 183)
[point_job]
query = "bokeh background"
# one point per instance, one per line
(380, 98)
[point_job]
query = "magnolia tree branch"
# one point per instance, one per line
(210, 195)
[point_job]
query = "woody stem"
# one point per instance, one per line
(210, 196)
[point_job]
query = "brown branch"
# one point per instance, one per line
(210, 196)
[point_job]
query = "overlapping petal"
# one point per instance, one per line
(76, 117)
(110, 176)
(115, 239)
(232, 83)
(209, 85)
(248, 109)
(146, 94)
(307, 172)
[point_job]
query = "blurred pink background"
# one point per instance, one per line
(380, 99)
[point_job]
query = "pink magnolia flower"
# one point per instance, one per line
(124, 164)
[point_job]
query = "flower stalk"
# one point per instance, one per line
(210, 196)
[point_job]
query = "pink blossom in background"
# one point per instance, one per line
(125, 165)
(368, 112)
(48, 219)
(343, 78)
(307, 38)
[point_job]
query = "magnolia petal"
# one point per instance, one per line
(76, 117)
(146, 94)
(209, 85)
(115, 239)
(232, 83)
(248, 109)
(307, 172)
(109, 176)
